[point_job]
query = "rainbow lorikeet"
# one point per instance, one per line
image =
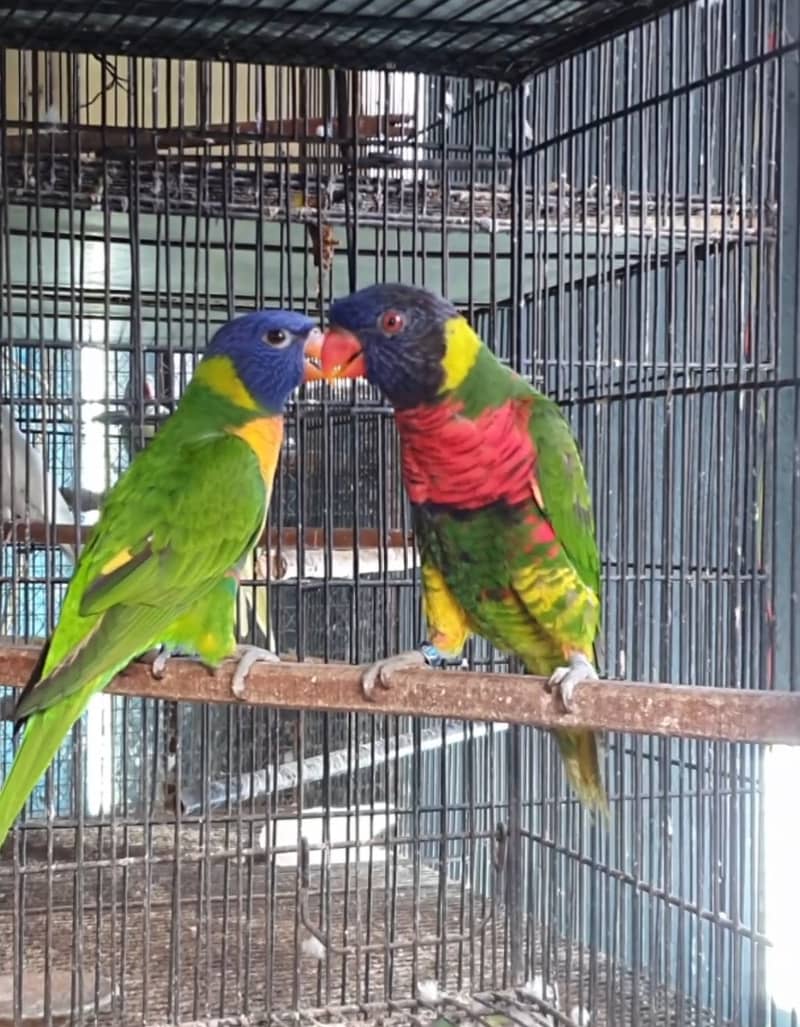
(162, 563)
(133, 440)
(501, 509)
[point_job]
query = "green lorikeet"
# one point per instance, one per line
(501, 509)
(133, 440)
(161, 566)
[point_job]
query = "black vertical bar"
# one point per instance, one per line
(516, 739)
(787, 400)
(347, 131)
(785, 520)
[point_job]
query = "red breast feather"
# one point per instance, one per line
(467, 463)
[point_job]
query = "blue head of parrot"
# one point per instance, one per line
(393, 335)
(269, 351)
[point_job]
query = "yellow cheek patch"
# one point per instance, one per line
(461, 350)
(114, 564)
(264, 436)
(447, 622)
(219, 374)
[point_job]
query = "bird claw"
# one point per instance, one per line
(159, 658)
(156, 659)
(566, 679)
(379, 673)
(249, 655)
(159, 667)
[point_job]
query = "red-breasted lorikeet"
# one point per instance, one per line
(501, 509)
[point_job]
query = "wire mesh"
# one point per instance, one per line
(503, 39)
(623, 229)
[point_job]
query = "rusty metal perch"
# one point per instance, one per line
(720, 714)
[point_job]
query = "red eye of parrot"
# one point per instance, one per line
(392, 322)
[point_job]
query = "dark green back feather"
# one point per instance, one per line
(564, 489)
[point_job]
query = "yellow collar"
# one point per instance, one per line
(219, 373)
(462, 347)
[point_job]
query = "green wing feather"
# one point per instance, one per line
(164, 542)
(567, 505)
(564, 490)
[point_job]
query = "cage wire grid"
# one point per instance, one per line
(495, 39)
(622, 228)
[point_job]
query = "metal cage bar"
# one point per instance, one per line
(621, 226)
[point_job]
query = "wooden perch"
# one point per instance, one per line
(63, 138)
(720, 714)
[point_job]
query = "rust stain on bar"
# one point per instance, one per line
(721, 714)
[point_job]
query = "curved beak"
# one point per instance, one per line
(312, 351)
(342, 355)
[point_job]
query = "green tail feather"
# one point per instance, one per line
(43, 734)
(582, 763)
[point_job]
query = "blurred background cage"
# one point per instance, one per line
(610, 192)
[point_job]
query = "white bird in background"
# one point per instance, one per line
(27, 489)
(135, 436)
(27, 493)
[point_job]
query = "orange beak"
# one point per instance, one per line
(342, 355)
(313, 351)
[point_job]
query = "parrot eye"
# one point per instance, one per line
(392, 322)
(276, 337)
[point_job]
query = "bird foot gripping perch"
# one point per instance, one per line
(248, 656)
(426, 655)
(566, 679)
